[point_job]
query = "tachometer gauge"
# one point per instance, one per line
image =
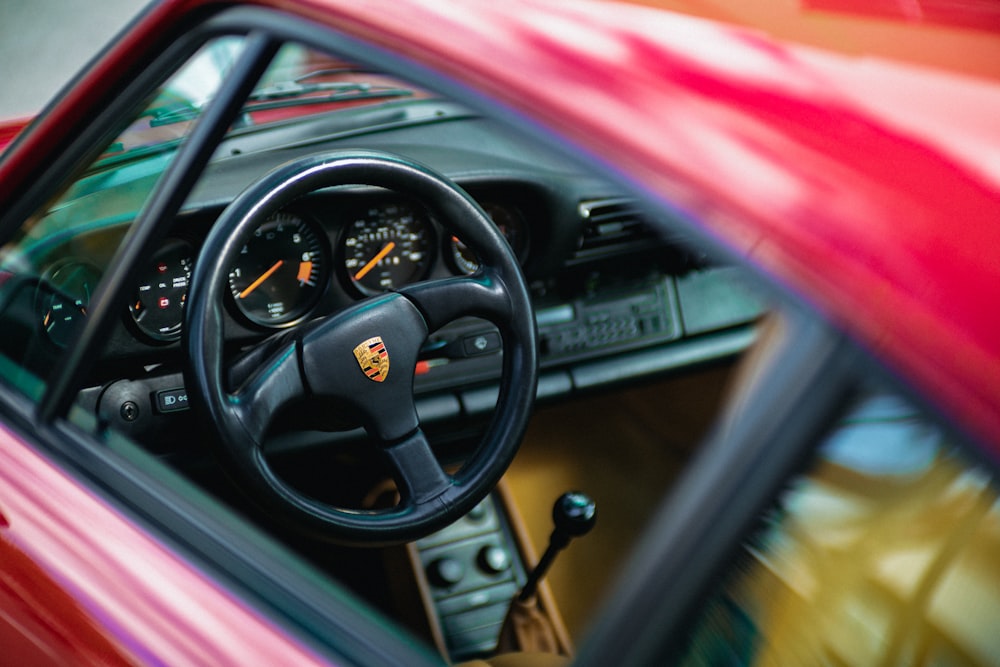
(387, 247)
(158, 305)
(281, 271)
(64, 302)
(512, 226)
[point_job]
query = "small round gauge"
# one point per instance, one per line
(281, 271)
(511, 224)
(387, 247)
(158, 305)
(64, 301)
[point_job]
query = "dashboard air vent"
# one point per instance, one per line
(610, 227)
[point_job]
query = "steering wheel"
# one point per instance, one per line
(364, 356)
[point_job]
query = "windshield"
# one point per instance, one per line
(298, 83)
(51, 268)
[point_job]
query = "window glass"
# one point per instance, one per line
(299, 82)
(302, 82)
(50, 269)
(885, 552)
(176, 104)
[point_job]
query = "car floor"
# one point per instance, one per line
(624, 449)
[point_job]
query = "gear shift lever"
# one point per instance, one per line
(527, 626)
(574, 514)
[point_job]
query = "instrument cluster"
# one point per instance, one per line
(353, 247)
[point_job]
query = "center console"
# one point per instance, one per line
(469, 572)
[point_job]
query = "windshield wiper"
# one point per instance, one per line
(292, 93)
(338, 90)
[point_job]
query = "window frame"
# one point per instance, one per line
(792, 386)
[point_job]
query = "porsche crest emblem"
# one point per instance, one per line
(373, 359)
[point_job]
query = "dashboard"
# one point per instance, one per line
(615, 302)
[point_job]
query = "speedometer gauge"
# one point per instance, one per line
(387, 247)
(280, 272)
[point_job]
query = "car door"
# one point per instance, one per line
(109, 557)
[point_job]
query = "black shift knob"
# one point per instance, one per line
(574, 514)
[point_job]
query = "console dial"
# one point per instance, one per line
(387, 247)
(158, 305)
(281, 271)
(511, 224)
(63, 303)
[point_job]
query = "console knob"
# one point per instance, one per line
(493, 559)
(445, 572)
(478, 513)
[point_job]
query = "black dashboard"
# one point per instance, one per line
(614, 300)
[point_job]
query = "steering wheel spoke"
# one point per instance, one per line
(276, 382)
(441, 301)
(417, 472)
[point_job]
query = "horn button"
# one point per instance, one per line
(366, 356)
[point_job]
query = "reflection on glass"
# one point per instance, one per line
(52, 265)
(885, 553)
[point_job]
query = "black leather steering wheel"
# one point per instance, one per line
(342, 357)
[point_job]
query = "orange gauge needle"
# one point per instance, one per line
(375, 260)
(264, 276)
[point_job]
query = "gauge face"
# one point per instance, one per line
(64, 303)
(512, 226)
(388, 247)
(280, 273)
(157, 308)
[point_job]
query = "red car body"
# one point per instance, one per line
(870, 189)
(10, 129)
